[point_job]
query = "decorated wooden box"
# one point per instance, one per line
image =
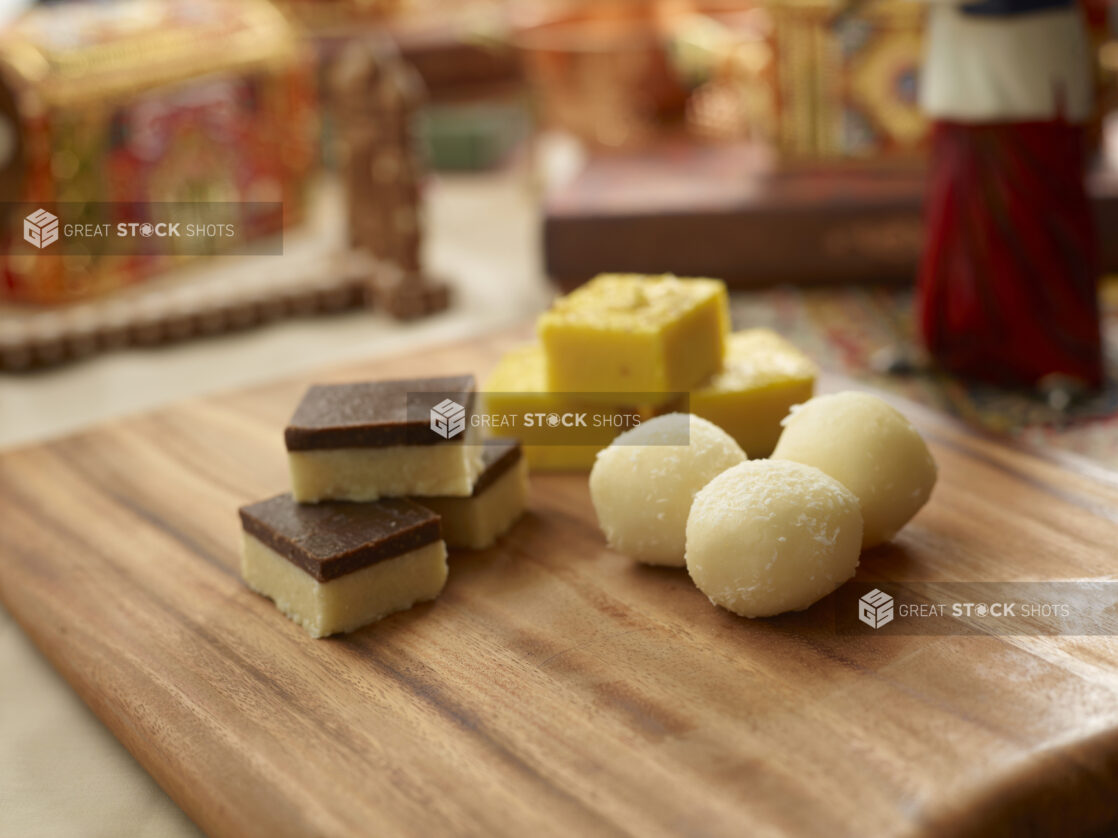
(111, 110)
(847, 90)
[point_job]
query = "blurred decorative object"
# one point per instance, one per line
(114, 106)
(816, 87)
(473, 136)
(599, 70)
(729, 60)
(847, 90)
(459, 55)
(1008, 287)
(602, 70)
(475, 108)
(200, 306)
(728, 210)
(329, 16)
(354, 16)
(731, 210)
(452, 46)
(396, 291)
(818, 83)
(375, 97)
(803, 158)
(1108, 101)
(615, 73)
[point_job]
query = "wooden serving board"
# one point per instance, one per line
(556, 688)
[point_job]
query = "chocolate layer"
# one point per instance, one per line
(497, 457)
(329, 540)
(374, 414)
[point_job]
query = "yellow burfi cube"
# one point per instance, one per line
(762, 377)
(628, 333)
(515, 402)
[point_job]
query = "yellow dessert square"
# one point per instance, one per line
(633, 333)
(517, 389)
(762, 376)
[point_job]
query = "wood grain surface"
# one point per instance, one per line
(556, 688)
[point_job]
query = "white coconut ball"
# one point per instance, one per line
(770, 536)
(869, 447)
(642, 485)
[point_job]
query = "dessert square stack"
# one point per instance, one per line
(374, 439)
(638, 346)
(374, 467)
(334, 567)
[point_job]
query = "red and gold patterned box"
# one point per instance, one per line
(120, 105)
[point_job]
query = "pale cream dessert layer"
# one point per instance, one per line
(368, 440)
(366, 474)
(497, 502)
(336, 566)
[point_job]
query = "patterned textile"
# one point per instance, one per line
(842, 329)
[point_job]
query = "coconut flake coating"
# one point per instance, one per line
(642, 485)
(869, 447)
(770, 536)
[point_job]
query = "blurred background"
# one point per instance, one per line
(431, 170)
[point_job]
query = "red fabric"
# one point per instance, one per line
(1095, 11)
(1008, 288)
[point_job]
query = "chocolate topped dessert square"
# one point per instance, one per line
(374, 439)
(496, 503)
(497, 457)
(334, 567)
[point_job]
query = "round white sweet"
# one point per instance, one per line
(642, 485)
(870, 448)
(770, 536)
